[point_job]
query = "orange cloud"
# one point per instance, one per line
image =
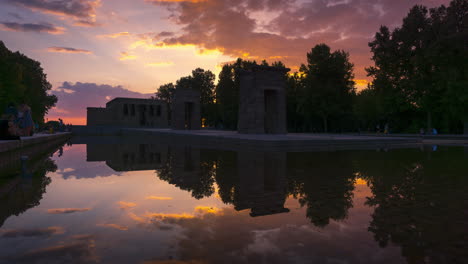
(67, 210)
(163, 216)
(68, 50)
(126, 56)
(126, 205)
(115, 226)
(158, 198)
(136, 218)
(115, 35)
(207, 210)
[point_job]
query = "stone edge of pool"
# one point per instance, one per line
(231, 140)
(10, 145)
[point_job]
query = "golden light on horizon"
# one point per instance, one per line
(162, 198)
(160, 64)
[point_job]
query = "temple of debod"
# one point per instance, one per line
(261, 120)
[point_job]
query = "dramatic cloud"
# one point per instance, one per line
(284, 29)
(283, 238)
(68, 50)
(67, 210)
(90, 94)
(31, 27)
(82, 11)
(39, 232)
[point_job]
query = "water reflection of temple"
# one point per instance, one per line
(128, 157)
(247, 179)
(262, 182)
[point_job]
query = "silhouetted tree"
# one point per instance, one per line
(322, 182)
(420, 202)
(419, 67)
(328, 85)
(22, 80)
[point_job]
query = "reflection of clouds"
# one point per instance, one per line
(158, 198)
(38, 232)
(126, 205)
(67, 210)
(80, 249)
(227, 234)
(262, 243)
(114, 226)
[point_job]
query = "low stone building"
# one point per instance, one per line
(262, 100)
(129, 112)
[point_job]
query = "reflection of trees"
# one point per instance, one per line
(324, 182)
(22, 193)
(189, 169)
(420, 201)
(226, 175)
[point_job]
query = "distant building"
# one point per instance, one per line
(129, 112)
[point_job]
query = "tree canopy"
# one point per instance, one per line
(22, 80)
(421, 68)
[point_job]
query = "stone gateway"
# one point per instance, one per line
(262, 105)
(186, 110)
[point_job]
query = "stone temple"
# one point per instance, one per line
(129, 112)
(262, 105)
(186, 110)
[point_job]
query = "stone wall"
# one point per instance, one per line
(262, 101)
(130, 112)
(97, 116)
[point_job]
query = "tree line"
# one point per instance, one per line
(419, 80)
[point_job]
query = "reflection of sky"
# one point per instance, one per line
(135, 217)
(73, 164)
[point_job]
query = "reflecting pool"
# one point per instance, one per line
(173, 203)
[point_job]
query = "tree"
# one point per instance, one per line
(22, 80)
(420, 67)
(328, 85)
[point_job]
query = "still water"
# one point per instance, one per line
(161, 203)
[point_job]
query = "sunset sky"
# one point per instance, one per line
(95, 50)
